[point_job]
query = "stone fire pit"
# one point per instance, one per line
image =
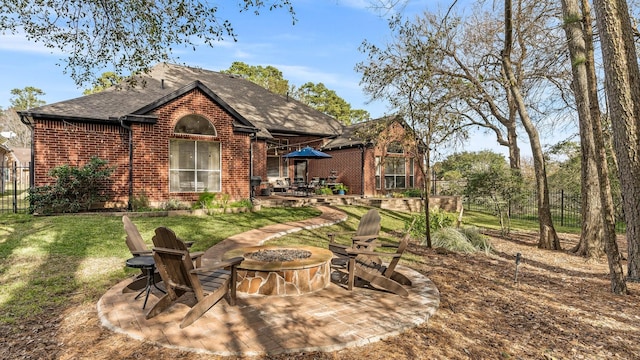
(282, 270)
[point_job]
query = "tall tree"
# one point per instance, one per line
(548, 236)
(596, 189)
(591, 237)
(26, 98)
(401, 75)
(268, 77)
(622, 85)
(319, 97)
(126, 35)
(106, 80)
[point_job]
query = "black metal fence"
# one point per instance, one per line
(566, 209)
(14, 187)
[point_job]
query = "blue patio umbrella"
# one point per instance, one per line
(307, 153)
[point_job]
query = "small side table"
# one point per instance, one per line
(148, 266)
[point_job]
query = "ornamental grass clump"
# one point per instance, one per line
(463, 240)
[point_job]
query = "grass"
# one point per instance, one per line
(54, 261)
(50, 262)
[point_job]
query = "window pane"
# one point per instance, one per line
(194, 124)
(273, 166)
(183, 174)
(400, 183)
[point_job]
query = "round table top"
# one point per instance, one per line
(145, 261)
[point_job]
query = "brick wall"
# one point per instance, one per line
(57, 143)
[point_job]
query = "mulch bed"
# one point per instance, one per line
(561, 307)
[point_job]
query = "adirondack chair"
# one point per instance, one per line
(138, 247)
(375, 272)
(364, 237)
(176, 269)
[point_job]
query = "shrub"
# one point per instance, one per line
(74, 189)
(140, 202)
(412, 193)
(206, 199)
(438, 219)
(174, 204)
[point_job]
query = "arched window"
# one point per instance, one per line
(395, 147)
(194, 165)
(195, 124)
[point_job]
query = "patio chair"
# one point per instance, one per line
(138, 247)
(376, 273)
(176, 269)
(364, 237)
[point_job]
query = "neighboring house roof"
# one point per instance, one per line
(362, 133)
(251, 104)
(22, 155)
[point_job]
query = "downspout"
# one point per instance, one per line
(128, 128)
(362, 182)
(32, 165)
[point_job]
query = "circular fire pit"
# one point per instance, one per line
(282, 270)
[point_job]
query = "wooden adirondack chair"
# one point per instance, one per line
(376, 273)
(138, 247)
(363, 238)
(208, 285)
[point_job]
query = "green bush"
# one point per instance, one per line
(438, 219)
(416, 193)
(324, 191)
(452, 239)
(206, 199)
(75, 189)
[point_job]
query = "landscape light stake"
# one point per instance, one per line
(518, 258)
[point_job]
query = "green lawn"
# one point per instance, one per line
(51, 262)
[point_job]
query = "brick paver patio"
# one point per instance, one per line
(327, 320)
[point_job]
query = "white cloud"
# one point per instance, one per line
(20, 43)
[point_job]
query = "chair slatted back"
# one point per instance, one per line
(369, 224)
(174, 265)
(134, 239)
(166, 238)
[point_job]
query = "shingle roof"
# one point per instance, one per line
(363, 133)
(267, 111)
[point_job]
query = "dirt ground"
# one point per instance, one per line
(559, 308)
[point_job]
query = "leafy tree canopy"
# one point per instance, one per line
(318, 96)
(466, 163)
(126, 35)
(26, 98)
(268, 77)
(106, 80)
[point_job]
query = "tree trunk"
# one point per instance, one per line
(591, 244)
(548, 237)
(623, 95)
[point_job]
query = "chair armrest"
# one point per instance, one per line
(142, 253)
(196, 254)
(363, 238)
(352, 251)
(218, 265)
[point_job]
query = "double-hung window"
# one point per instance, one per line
(195, 165)
(394, 173)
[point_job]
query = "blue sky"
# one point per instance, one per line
(322, 46)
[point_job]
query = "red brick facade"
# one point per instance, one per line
(60, 142)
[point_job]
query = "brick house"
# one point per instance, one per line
(177, 131)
